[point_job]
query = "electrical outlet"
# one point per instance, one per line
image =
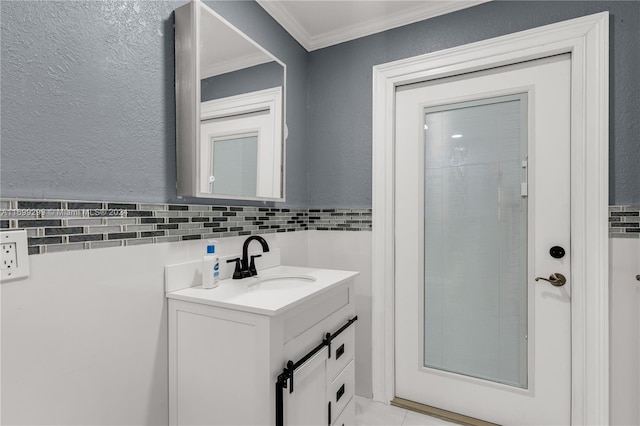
(14, 256)
(8, 257)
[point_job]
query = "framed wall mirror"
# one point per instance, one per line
(230, 110)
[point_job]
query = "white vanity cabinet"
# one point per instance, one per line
(225, 356)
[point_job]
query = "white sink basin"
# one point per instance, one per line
(271, 292)
(281, 281)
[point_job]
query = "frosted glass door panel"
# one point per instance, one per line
(475, 242)
(235, 166)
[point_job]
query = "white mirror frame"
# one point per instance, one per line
(188, 104)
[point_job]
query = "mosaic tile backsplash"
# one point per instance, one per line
(624, 221)
(54, 226)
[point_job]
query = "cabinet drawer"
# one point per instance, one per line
(342, 350)
(348, 416)
(340, 391)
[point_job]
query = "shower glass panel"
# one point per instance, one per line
(475, 239)
(235, 165)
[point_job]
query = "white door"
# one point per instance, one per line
(482, 195)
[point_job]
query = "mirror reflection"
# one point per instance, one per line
(231, 63)
(237, 148)
(238, 169)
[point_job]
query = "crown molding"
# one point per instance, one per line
(283, 17)
(422, 11)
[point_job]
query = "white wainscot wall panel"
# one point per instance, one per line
(84, 338)
(625, 330)
(350, 251)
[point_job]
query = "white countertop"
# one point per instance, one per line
(245, 295)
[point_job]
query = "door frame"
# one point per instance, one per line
(587, 39)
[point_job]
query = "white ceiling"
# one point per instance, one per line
(320, 23)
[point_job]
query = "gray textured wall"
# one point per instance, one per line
(88, 98)
(340, 91)
(88, 101)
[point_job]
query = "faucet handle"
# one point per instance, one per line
(237, 273)
(252, 265)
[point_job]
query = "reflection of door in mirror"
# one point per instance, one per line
(235, 162)
(238, 145)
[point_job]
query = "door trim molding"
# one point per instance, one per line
(587, 39)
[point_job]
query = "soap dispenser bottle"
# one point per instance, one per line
(210, 267)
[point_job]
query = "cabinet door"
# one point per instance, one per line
(211, 381)
(307, 404)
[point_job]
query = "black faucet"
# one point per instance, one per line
(244, 267)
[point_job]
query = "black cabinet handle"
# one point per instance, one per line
(340, 351)
(339, 393)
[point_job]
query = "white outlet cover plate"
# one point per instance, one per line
(22, 255)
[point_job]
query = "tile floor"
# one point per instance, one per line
(370, 413)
